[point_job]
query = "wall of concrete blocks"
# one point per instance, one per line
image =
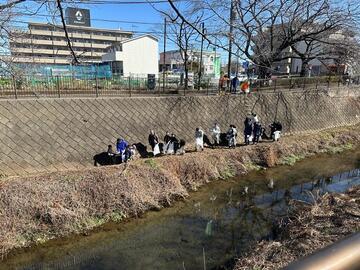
(54, 134)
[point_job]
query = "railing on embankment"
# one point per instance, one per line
(57, 86)
(344, 254)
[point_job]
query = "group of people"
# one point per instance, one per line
(233, 84)
(253, 133)
(170, 145)
(253, 130)
(124, 152)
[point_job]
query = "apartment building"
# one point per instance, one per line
(46, 44)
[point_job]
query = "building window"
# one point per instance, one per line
(118, 47)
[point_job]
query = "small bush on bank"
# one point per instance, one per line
(291, 160)
(91, 222)
(152, 163)
(252, 167)
(227, 173)
(117, 216)
(340, 148)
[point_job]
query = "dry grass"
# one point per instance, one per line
(308, 228)
(34, 209)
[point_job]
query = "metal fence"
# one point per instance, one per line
(57, 86)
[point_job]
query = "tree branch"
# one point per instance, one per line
(75, 59)
(11, 4)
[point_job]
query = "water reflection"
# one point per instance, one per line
(218, 222)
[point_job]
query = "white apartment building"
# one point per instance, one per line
(137, 56)
(45, 43)
(174, 61)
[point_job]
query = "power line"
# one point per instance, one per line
(96, 19)
(132, 31)
(92, 19)
(114, 2)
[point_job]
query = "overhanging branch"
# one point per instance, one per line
(75, 59)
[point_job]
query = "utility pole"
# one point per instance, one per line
(214, 62)
(164, 59)
(237, 62)
(201, 53)
(232, 17)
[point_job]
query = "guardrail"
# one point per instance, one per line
(344, 254)
(57, 86)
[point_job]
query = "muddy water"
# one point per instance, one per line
(214, 225)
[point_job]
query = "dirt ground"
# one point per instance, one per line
(310, 227)
(34, 209)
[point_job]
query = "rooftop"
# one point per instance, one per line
(80, 27)
(191, 51)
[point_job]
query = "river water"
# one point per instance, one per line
(211, 227)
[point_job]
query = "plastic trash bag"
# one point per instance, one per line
(156, 149)
(208, 229)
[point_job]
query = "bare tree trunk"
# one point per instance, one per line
(186, 69)
(304, 67)
(263, 71)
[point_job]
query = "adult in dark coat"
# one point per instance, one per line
(167, 137)
(248, 129)
(166, 144)
(175, 141)
(257, 132)
(275, 126)
(153, 139)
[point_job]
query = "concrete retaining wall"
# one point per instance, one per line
(54, 134)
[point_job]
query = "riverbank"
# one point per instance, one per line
(38, 208)
(308, 228)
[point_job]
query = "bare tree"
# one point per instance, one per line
(11, 14)
(184, 37)
(263, 31)
(10, 4)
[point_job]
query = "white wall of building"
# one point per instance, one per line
(139, 56)
(318, 66)
(174, 60)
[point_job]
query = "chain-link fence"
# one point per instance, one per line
(59, 86)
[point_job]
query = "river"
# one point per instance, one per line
(211, 227)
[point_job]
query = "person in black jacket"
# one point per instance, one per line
(257, 132)
(175, 142)
(248, 129)
(166, 145)
(153, 139)
(111, 155)
(275, 130)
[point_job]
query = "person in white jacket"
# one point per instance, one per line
(255, 118)
(215, 133)
(199, 139)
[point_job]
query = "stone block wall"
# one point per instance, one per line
(53, 134)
